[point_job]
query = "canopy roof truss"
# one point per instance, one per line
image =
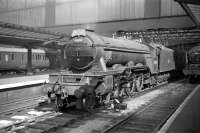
(192, 8)
(166, 37)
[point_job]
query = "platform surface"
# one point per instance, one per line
(186, 119)
(22, 81)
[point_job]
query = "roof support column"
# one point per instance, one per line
(29, 61)
(62, 59)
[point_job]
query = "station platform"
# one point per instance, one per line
(13, 82)
(186, 118)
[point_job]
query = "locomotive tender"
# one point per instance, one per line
(102, 69)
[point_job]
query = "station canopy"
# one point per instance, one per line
(192, 8)
(25, 36)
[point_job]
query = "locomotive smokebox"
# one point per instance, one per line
(81, 54)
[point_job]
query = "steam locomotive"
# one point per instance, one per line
(192, 68)
(102, 69)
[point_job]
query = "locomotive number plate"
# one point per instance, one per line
(68, 79)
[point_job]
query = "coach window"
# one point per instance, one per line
(6, 57)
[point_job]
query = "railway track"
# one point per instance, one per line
(23, 111)
(46, 122)
(15, 108)
(147, 118)
(151, 117)
(10, 102)
(12, 107)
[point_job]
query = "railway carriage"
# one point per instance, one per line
(16, 59)
(102, 69)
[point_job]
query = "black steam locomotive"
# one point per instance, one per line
(101, 69)
(192, 69)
